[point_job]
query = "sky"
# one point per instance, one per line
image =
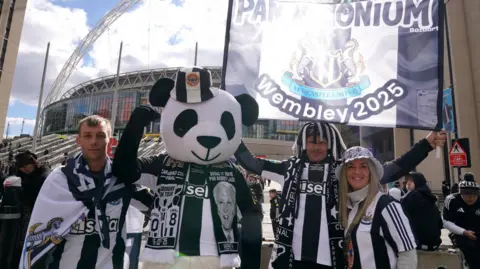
(155, 34)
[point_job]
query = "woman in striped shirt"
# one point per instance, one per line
(377, 232)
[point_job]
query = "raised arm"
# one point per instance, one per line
(262, 167)
(410, 159)
(126, 167)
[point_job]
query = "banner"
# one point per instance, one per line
(370, 63)
(448, 110)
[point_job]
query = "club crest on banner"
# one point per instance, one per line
(317, 72)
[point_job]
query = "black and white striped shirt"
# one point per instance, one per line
(381, 234)
(82, 248)
(310, 232)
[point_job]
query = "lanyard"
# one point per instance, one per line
(348, 245)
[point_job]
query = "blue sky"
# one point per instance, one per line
(95, 10)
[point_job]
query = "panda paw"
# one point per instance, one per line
(144, 114)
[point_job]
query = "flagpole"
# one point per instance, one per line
(450, 72)
(113, 116)
(196, 54)
(39, 107)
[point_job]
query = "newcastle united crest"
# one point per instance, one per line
(319, 72)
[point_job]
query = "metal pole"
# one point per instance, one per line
(23, 123)
(37, 119)
(8, 127)
(450, 72)
(113, 117)
(196, 54)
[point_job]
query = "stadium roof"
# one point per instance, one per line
(141, 80)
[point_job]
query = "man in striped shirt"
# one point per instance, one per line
(309, 234)
(80, 212)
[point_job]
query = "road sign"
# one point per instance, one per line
(458, 156)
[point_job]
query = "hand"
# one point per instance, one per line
(470, 235)
(437, 138)
(145, 114)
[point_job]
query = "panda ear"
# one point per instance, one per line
(160, 92)
(249, 109)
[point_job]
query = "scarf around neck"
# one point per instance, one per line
(282, 255)
(358, 196)
(171, 198)
(90, 188)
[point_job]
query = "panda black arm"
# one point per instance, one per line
(262, 167)
(126, 167)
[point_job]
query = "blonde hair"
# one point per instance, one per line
(373, 189)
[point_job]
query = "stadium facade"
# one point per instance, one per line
(270, 138)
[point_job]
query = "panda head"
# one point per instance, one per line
(200, 124)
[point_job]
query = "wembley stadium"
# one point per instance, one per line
(96, 97)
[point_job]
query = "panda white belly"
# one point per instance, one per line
(200, 262)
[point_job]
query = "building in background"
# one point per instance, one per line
(12, 13)
(270, 138)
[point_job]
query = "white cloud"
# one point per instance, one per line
(18, 121)
(45, 22)
(145, 32)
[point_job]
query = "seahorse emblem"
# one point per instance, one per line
(42, 237)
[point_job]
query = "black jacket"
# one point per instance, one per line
(31, 185)
(420, 207)
(274, 208)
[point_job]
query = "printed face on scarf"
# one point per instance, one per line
(224, 195)
(317, 149)
(93, 141)
(358, 174)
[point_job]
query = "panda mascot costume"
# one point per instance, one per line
(200, 194)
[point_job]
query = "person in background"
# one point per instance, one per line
(32, 176)
(274, 209)
(255, 185)
(461, 215)
(454, 188)
(445, 189)
(377, 232)
(419, 204)
(396, 192)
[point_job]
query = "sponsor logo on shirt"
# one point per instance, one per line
(460, 210)
(88, 226)
(313, 188)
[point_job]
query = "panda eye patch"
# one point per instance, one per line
(228, 123)
(185, 121)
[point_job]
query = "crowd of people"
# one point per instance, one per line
(333, 210)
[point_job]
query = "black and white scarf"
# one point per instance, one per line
(90, 188)
(160, 248)
(282, 256)
(52, 219)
